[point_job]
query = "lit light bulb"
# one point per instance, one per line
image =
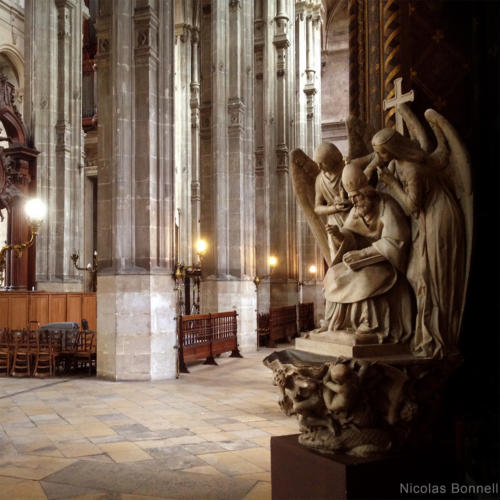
(273, 260)
(35, 209)
(312, 269)
(201, 247)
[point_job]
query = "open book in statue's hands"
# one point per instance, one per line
(356, 259)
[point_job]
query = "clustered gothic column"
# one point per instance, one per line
(53, 110)
(308, 133)
(227, 174)
(136, 300)
(287, 54)
(186, 106)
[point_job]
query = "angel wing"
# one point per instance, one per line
(459, 172)
(414, 126)
(304, 172)
(360, 135)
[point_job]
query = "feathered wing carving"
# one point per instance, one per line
(360, 135)
(415, 127)
(304, 172)
(459, 173)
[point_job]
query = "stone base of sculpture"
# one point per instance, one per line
(361, 406)
(297, 472)
(351, 346)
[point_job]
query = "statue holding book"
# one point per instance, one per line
(396, 235)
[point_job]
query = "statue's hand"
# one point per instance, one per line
(353, 256)
(343, 206)
(386, 177)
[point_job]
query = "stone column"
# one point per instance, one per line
(308, 44)
(228, 189)
(135, 298)
(53, 110)
(264, 142)
(194, 103)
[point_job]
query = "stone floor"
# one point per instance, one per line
(205, 435)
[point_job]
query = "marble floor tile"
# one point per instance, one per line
(124, 452)
(203, 436)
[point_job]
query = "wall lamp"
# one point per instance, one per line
(35, 210)
(273, 262)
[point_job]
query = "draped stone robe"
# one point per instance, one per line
(375, 298)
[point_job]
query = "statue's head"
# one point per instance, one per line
(362, 195)
(328, 157)
(390, 144)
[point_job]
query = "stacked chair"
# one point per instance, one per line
(47, 350)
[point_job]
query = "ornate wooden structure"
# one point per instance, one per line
(17, 181)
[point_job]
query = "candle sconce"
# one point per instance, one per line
(91, 268)
(273, 262)
(35, 213)
(184, 274)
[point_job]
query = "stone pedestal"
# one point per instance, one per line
(297, 472)
(330, 344)
(137, 327)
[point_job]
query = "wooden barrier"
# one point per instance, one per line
(306, 317)
(282, 324)
(17, 309)
(205, 336)
(262, 328)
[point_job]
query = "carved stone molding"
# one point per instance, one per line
(282, 158)
(360, 408)
(236, 109)
(259, 161)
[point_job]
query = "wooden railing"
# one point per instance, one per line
(281, 323)
(306, 317)
(205, 336)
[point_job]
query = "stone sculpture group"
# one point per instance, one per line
(395, 228)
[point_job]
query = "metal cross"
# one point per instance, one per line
(394, 102)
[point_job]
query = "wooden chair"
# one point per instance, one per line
(5, 352)
(44, 358)
(86, 349)
(67, 345)
(21, 362)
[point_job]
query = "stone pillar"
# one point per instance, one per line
(228, 192)
(307, 130)
(194, 104)
(135, 297)
(53, 110)
(264, 142)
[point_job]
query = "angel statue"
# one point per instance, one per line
(432, 191)
(318, 188)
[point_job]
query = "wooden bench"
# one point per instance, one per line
(206, 336)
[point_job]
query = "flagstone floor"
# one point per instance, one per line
(205, 435)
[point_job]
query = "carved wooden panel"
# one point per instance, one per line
(39, 308)
(16, 309)
(57, 307)
(89, 309)
(18, 312)
(74, 308)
